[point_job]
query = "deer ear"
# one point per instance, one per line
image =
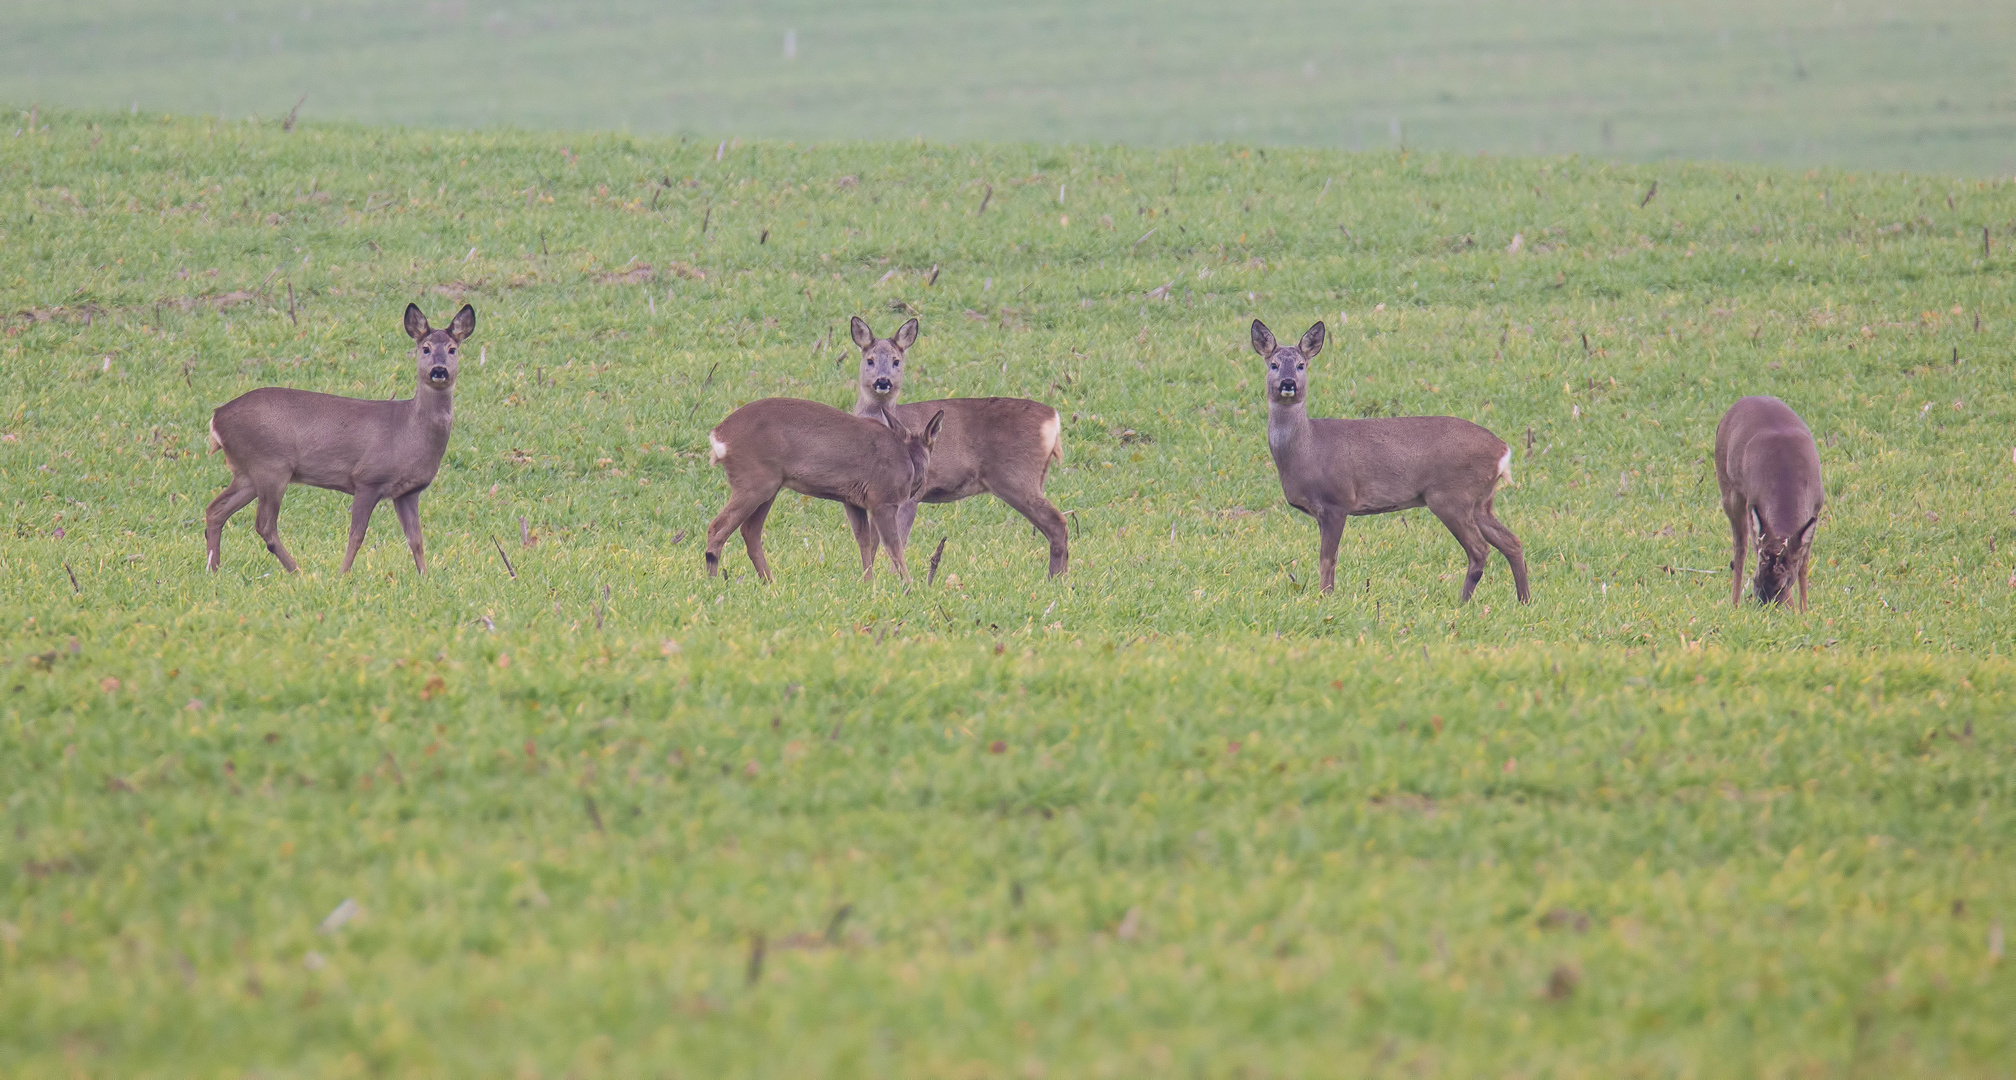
(1312, 342)
(464, 324)
(906, 335)
(416, 322)
(1263, 339)
(1805, 536)
(863, 337)
(931, 429)
(889, 422)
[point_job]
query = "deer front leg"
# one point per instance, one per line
(886, 524)
(864, 538)
(407, 507)
(1803, 564)
(1330, 529)
(1739, 531)
(361, 505)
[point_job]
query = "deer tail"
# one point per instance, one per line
(1053, 439)
(1504, 467)
(216, 440)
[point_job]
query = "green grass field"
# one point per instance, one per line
(1926, 86)
(1172, 814)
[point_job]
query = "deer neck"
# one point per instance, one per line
(867, 404)
(1289, 432)
(432, 409)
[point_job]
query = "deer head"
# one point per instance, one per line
(1287, 366)
(1780, 557)
(882, 359)
(436, 352)
(917, 444)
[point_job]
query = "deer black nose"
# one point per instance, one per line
(439, 374)
(882, 386)
(1287, 388)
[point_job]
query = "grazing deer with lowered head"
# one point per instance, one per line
(1000, 445)
(369, 450)
(1334, 470)
(1769, 471)
(869, 466)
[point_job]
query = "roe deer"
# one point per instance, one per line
(1000, 445)
(1769, 470)
(870, 466)
(1336, 469)
(370, 450)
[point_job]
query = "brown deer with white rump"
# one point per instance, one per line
(1334, 470)
(1001, 445)
(369, 450)
(869, 466)
(1769, 470)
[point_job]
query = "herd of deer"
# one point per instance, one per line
(884, 458)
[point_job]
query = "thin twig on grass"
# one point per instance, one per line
(74, 587)
(508, 568)
(931, 578)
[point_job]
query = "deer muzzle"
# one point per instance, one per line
(883, 385)
(438, 375)
(1288, 388)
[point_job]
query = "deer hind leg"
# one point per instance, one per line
(1330, 532)
(864, 538)
(752, 537)
(1042, 514)
(1508, 545)
(886, 523)
(1462, 524)
(267, 522)
(361, 505)
(407, 507)
(1803, 565)
(228, 502)
(741, 503)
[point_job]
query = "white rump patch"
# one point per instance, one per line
(718, 448)
(216, 443)
(1052, 434)
(1505, 465)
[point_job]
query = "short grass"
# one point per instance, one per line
(1173, 813)
(1864, 83)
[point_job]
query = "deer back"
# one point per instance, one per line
(1765, 454)
(815, 449)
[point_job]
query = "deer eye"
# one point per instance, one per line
(426, 348)
(1301, 367)
(1272, 366)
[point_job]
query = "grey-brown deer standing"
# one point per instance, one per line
(1000, 445)
(369, 450)
(869, 466)
(1769, 469)
(1334, 470)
